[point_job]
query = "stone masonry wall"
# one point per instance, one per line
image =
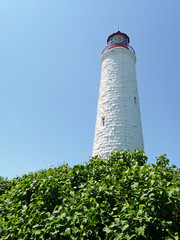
(118, 123)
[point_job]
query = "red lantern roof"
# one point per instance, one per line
(118, 33)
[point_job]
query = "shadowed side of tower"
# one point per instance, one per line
(118, 122)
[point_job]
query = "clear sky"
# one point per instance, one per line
(50, 74)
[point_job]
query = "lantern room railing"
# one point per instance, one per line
(118, 45)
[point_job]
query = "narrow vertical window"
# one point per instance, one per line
(103, 121)
(135, 101)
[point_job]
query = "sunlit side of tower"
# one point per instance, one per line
(118, 122)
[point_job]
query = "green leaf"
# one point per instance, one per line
(107, 229)
(123, 228)
(68, 231)
(141, 206)
(140, 231)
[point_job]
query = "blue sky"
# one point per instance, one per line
(50, 74)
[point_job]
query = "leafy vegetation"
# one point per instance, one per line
(120, 197)
(5, 184)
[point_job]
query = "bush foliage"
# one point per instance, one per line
(120, 197)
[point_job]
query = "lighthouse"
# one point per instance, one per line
(118, 121)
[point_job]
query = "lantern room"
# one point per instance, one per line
(118, 37)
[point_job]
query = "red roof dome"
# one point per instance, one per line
(118, 33)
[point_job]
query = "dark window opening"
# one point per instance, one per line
(103, 121)
(135, 101)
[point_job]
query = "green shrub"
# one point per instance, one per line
(5, 185)
(120, 197)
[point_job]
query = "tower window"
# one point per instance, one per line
(103, 121)
(135, 101)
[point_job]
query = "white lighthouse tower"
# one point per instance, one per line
(118, 123)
